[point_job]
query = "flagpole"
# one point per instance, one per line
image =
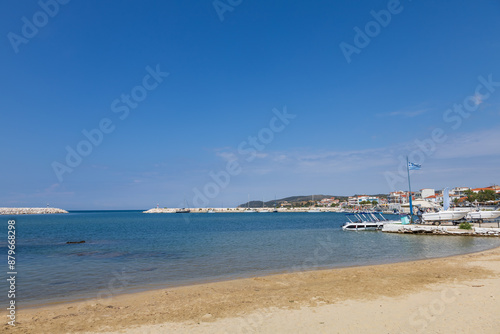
(409, 188)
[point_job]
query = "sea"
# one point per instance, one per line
(129, 251)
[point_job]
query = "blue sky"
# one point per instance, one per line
(352, 121)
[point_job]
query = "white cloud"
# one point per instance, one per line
(351, 171)
(478, 98)
(227, 156)
(404, 113)
(468, 145)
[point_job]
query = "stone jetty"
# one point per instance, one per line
(237, 210)
(441, 230)
(160, 210)
(30, 211)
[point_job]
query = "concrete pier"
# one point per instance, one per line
(441, 230)
(240, 210)
(30, 211)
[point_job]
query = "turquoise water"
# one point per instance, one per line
(131, 251)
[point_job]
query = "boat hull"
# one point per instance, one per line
(444, 216)
(363, 226)
(483, 215)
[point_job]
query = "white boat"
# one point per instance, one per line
(363, 226)
(263, 210)
(483, 215)
(443, 216)
(248, 210)
(367, 221)
(210, 211)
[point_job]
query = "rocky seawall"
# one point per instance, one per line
(441, 230)
(159, 210)
(30, 211)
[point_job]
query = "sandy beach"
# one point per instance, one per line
(446, 295)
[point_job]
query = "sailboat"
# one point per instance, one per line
(445, 214)
(263, 210)
(248, 210)
(275, 210)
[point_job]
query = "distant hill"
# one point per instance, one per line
(291, 199)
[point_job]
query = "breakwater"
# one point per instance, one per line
(241, 210)
(30, 211)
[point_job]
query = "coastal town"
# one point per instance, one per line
(426, 199)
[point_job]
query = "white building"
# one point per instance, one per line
(356, 200)
(460, 191)
(427, 192)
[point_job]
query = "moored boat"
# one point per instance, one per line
(363, 226)
(482, 215)
(366, 221)
(444, 216)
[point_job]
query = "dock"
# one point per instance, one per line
(442, 230)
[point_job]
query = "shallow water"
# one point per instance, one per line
(131, 251)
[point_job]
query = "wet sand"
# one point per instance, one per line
(454, 294)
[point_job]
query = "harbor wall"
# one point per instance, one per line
(30, 211)
(441, 230)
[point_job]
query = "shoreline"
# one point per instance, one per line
(209, 302)
(84, 298)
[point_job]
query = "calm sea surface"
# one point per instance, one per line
(128, 251)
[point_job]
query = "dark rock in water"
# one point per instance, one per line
(75, 242)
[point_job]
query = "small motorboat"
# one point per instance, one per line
(483, 215)
(366, 221)
(363, 226)
(444, 216)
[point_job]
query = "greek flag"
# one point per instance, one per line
(412, 166)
